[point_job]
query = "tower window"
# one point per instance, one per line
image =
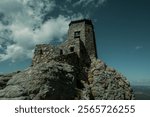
(71, 49)
(77, 34)
(40, 52)
(61, 52)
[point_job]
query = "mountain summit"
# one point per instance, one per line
(67, 71)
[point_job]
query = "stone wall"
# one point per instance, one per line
(67, 52)
(44, 52)
(90, 43)
(71, 68)
(83, 44)
(80, 26)
(87, 36)
(71, 59)
(71, 46)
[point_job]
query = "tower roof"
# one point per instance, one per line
(87, 21)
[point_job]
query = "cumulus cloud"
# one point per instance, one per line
(53, 28)
(25, 38)
(10, 6)
(14, 52)
(27, 27)
(25, 23)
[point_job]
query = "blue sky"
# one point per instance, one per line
(123, 37)
(122, 29)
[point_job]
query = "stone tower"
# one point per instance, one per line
(83, 30)
(79, 48)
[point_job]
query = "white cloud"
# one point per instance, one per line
(69, 1)
(138, 47)
(84, 3)
(25, 15)
(53, 28)
(25, 38)
(14, 52)
(10, 6)
(27, 28)
(41, 7)
(101, 2)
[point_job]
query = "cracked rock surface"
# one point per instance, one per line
(54, 80)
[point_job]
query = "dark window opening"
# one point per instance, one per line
(79, 84)
(61, 52)
(71, 49)
(40, 51)
(77, 34)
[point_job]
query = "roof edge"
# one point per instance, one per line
(87, 21)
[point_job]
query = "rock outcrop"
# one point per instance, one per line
(4, 79)
(67, 71)
(106, 83)
(56, 80)
(44, 81)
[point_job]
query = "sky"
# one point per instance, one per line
(122, 29)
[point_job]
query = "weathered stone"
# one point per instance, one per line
(109, 85)
(12, 91)
(5, 78)
(44, 81)
(70, 70)
(109, 69)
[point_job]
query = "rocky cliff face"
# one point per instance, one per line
(56, 80)
(106, 83)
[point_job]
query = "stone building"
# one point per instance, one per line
(78, 49)
(70, 70)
